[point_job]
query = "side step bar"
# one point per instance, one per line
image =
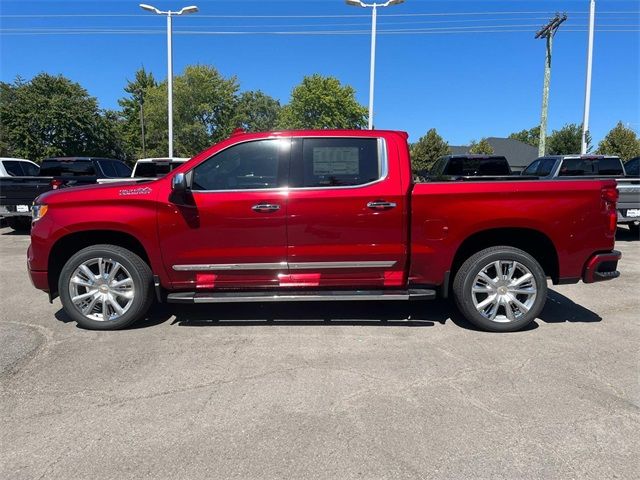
(300, 296)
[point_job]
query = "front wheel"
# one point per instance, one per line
(500, 289)
(105, 287)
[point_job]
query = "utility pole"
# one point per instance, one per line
(547, 32)
(587, 89)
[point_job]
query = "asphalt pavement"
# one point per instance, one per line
(327, 390)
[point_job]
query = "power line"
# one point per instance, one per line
(437, 14)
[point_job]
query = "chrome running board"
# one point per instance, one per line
(300, 296)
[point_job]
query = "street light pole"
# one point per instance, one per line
(372, 67)
(169, 14)
(372, 62)
(170, 81)
(587, 89)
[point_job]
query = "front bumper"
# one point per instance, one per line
(39, 278)
(602, 266)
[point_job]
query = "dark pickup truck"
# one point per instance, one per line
(18, 193)
(467, 167)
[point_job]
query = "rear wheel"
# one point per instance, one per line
(500, 289)
(105, 287)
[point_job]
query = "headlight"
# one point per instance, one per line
(38, 211)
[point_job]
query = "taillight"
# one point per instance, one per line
(610, 195)
(55, 184)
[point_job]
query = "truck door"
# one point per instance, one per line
(230, 232)
(346, 214)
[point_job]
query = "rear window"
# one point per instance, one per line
(577, 167)
(610, 166)
(469, 167)
(72, 168)
(337, 162)
(153, 169)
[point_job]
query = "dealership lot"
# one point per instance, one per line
(346, 390)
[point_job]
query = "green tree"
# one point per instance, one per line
(620, 141)
(256, 112)
(322, 102)
(133, 125)
(565, 141)
(51, 115)
(427, 150)
(481, 147)
(531, 136)
(204, 105)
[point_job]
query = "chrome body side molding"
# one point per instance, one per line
(281, 266)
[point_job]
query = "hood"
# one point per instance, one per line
(89, 193)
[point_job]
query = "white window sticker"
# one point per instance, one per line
(336, 161)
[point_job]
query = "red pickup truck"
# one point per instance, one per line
(319, 215)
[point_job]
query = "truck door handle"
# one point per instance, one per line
(265, 207)
(381, 205)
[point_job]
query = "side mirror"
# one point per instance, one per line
(179, 184)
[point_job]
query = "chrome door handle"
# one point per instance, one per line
(380, 205)
(265, 207)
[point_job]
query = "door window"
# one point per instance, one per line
(336, 162)
(545, 167)
(531, 169)
(245, 166)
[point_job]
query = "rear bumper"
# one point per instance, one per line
(602, 266)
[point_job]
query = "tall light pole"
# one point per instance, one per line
(587, 89)
(170, 14)
(547, 32)
(372, 69)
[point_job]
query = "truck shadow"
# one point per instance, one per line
(623, 234)
(558, 309)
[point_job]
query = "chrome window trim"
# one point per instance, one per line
(282, 265)
(383, 165)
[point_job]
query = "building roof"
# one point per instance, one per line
(518, 154)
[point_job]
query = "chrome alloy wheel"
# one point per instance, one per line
(101, 289)
(504, 290)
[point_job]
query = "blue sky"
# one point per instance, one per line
(471, 69)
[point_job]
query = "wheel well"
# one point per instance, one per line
(67, 246)
(534, 242)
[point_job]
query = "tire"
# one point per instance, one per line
(634, 228)
(122, 296)
(519, 301)
(19, 224)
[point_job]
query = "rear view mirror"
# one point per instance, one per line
(179, 183)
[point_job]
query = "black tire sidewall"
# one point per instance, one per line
(464, 281)
(142, 280)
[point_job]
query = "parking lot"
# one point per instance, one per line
(345, 390)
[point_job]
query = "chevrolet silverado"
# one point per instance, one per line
(313, 216)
